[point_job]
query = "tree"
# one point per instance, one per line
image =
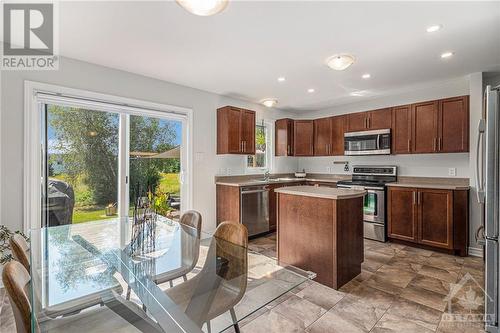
(87, 142)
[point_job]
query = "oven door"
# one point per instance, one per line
(374, 205)
(367, 142)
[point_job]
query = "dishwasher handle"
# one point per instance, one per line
(254, 191)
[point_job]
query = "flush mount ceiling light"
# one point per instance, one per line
(366, 76)
(269, 102)
(311, 90)
(203, 7)
(281, 79)
(446, 55)
(339, 62)
(434, 28)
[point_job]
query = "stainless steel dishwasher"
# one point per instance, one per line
(255, 208)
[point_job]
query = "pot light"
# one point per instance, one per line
(311, 90)
(446, 55)
(269, 102)
(203, 7)
(434, 28)
(339, 62)
(281, 79)
(366, 76)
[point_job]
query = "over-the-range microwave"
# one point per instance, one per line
(377, 142)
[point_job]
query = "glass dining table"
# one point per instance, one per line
(101, 277)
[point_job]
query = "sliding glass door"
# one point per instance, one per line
(97, 162)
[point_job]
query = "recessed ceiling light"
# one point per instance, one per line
(311, 90)
(203, 7)
(339, 62)
(269, 102)
(434, 28)
(446, 55)
(281, 79)
(366, 76)
(358, 93)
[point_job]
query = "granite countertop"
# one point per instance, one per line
(277, 179)
(322, 192)
(432, 182)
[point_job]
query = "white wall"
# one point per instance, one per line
(426, 165)
(76, 74)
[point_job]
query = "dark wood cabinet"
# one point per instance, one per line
(235, 131)
(283, 136)
(380, 119)
(453, 125)
(369, 120)
(338, 128)
(357, 121)
(402, 214)
(434, 218)
(401, 133)
(303, 135)
(322, 136)
(425, 127)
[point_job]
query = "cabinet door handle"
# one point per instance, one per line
(434, 144)
(245, 146)
(312, 149)
(368, 120)
(288, 149)
(241, 146)
(439, 143)
(409, 145)
(419, 198)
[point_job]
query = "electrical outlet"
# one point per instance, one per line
(229, 171)
(452, 171)
(328, 169)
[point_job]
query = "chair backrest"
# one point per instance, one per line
(16, 280)
(192, 219)
(20, 250)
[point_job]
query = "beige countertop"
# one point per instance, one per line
(432, 182)
(322, 192)
(250, 180)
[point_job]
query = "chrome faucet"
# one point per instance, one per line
(266, 175)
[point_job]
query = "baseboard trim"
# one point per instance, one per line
(476, 251)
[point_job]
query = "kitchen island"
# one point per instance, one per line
(320, 229)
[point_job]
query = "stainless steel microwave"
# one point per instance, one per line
(377, 142)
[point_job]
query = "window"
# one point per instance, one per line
(262, 157)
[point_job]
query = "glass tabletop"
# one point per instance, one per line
(164, 277)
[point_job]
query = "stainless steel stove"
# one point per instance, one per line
(372, 178)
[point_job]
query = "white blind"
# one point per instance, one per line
(107, 106)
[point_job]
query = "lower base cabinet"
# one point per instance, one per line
(434, 218)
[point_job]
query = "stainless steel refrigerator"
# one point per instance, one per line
(487, 180)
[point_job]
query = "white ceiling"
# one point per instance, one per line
(242, 51)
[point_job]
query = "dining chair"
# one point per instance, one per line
(222, 281)
(190, 222)
(21, 253)
(16, 280)
(20, 250)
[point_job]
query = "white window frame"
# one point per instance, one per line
(32, 172)
(269, 150)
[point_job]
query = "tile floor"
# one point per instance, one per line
(400, 289)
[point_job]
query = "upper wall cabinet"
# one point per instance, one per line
(283, 131)
(303, 135)
(329, 136)
(370, 120)
(425, 127)
(235, 131)
(401, 133)
(453, 124)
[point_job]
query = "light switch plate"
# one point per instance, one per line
(452, 171)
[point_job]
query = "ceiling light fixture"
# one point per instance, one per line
(269, 102)
(339, 62)
(446, 55)
(311, 90)
(366, 76)
(434, 28)
(203, 7)
(281, 79)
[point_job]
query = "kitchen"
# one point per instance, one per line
(333, 166)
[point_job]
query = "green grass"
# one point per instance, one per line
(168, 183)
